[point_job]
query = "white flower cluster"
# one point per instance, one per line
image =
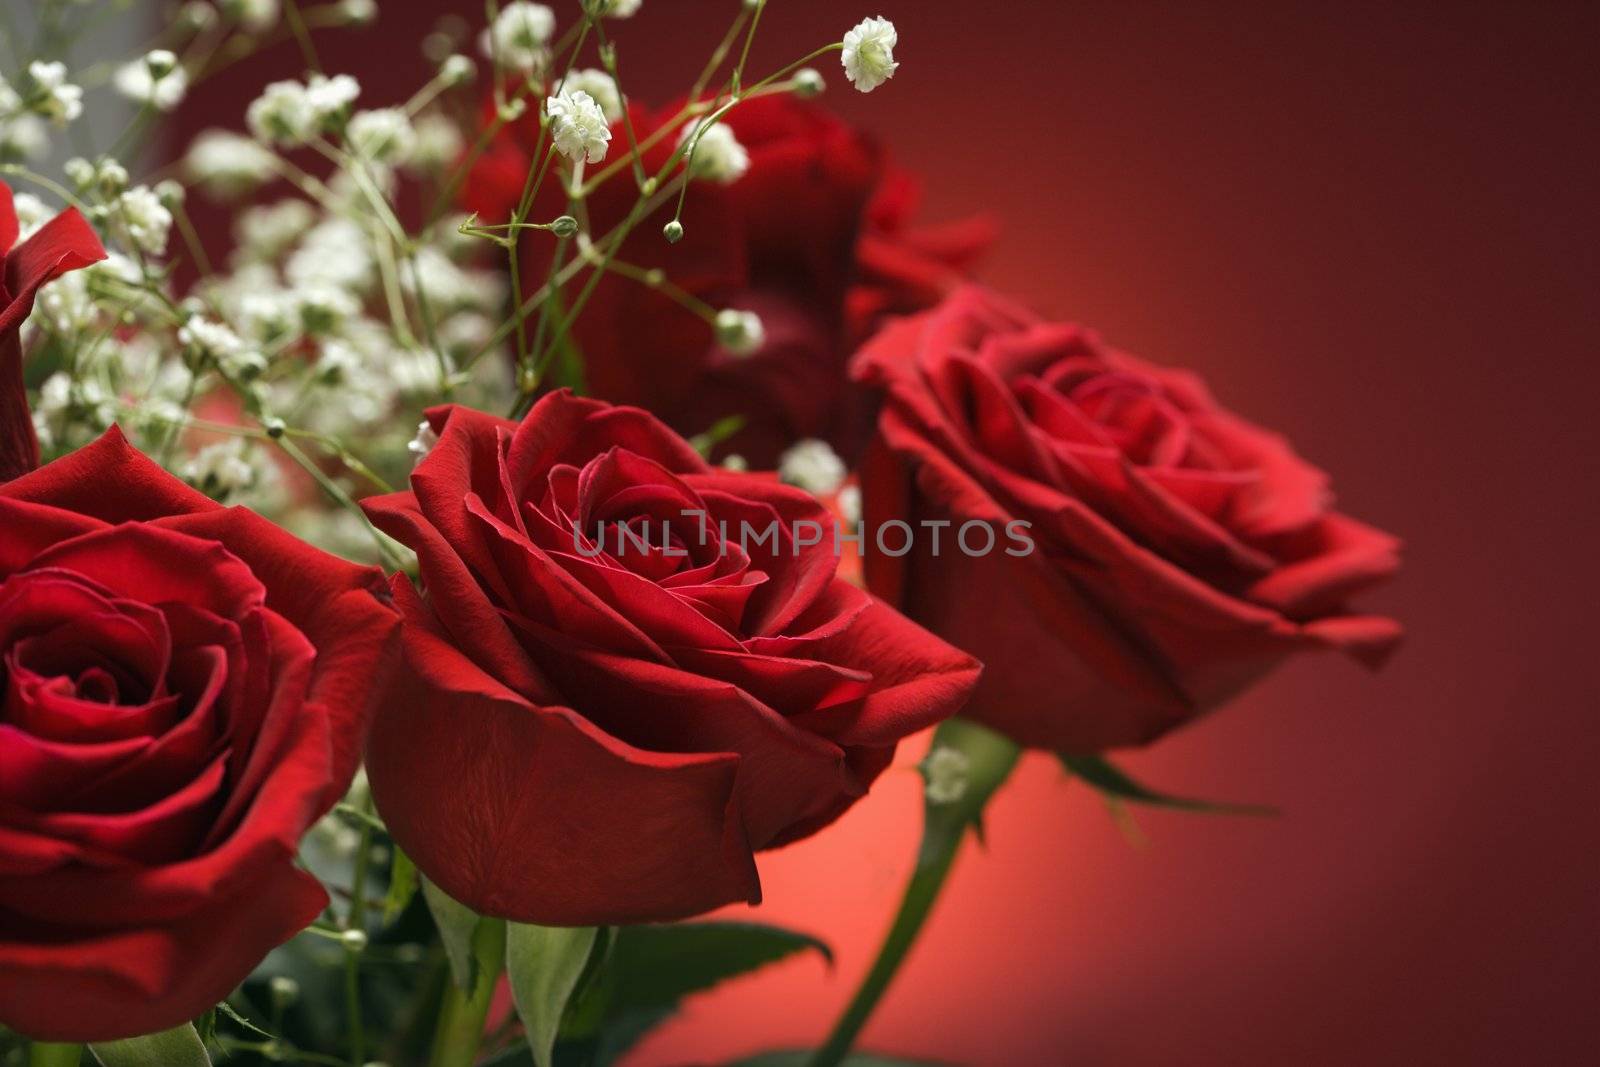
(614, 9)
(814, 466)
(292, 113)
(142, 220)
(228, 470)
(601, 87)
(382, 136)
(53, 96)
(156, 80)
(868, 55)
(519, 40)
(228, 164)
(718, 155)
(331, 312)
(578, 126)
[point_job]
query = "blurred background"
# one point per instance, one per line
(1374, 226)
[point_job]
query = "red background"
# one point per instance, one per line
(1373, 225)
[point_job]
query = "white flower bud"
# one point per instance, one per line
(813, 466)
(253, 15)
(809, 82)
(359, 12)
(868, 55)
(578, 128)
(673, 232)
(740, 332)
(171, 193)
(458, 70)
(197, 15)
(160, 62)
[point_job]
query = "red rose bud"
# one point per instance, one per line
(617, 695)
(1181, 551)
(183, 691)
(815, 236)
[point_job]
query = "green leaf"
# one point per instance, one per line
(652, 968)
(544, 964)
(402, 886)
(456, 922)
(1103, 775)
(801, 1057)
(179, 1047)
(657, 966)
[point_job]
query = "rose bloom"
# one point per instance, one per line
(185, 690)
(1180, 551)
(817, 238)
(63, 244)
(602, 733)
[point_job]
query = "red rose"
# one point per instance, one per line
(185, 690)
(1180, 552)
(813, 215)
(902, 267)
(63, 244)
(600, 733)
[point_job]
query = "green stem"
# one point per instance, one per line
(464, 1012)
(50, 1054)
(989, 760)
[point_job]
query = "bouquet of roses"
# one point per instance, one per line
(553, 501)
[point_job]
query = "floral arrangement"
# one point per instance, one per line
(553, 501)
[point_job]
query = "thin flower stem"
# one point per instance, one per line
(302, 37)
(989, 760)
(720, 54)
(749, 38)
(341, 498)
(356, 919)
(464, 1011)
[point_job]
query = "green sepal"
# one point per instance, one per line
(456, 923)
(178, 1047)
(544, 964)
(402, 886)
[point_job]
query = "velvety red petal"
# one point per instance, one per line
(533, 814)
(155, 977)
